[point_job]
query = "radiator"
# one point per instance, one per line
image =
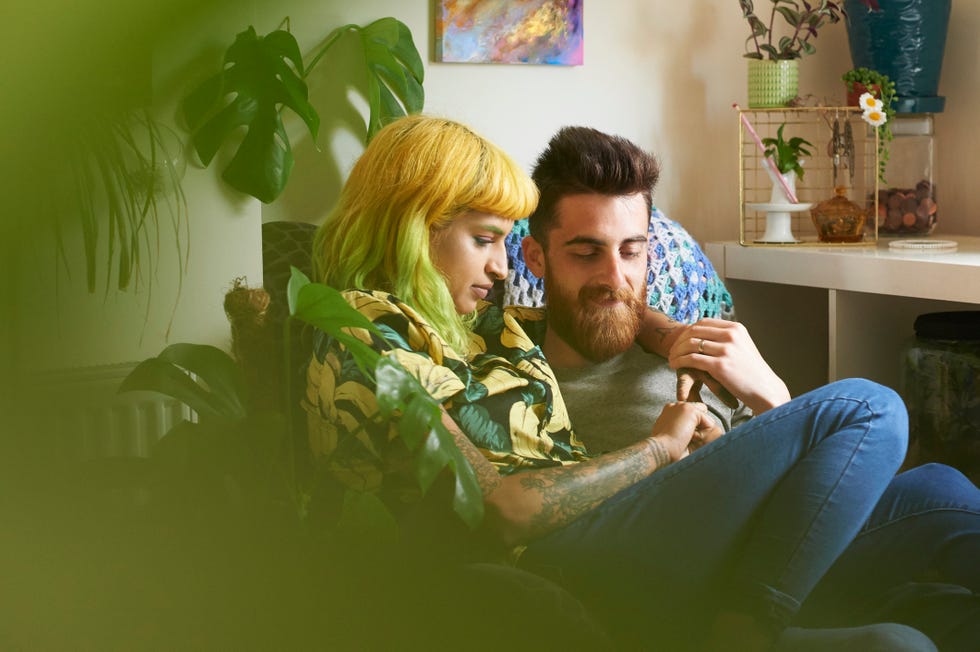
(86, 418)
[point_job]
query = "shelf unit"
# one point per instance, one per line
(816, 125)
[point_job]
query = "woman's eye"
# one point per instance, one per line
(483, 241)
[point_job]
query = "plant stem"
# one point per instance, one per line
(337, 33)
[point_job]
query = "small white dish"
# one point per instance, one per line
(779, 208)
(923, 246)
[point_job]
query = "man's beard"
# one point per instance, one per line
(594, 331)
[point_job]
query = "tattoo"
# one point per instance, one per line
(566, 493)
(665, 331)
(659, 451)
(486, 474)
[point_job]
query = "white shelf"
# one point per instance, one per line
(832, 312)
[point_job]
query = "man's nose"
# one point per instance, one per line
(613, 272)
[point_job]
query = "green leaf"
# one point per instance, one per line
(263, 74)
(297, 281)
(325, 308)
(792, 17)
(157, 375)
(431, 459)
(216, 368)
(438, 452)
(395, 387)
(421, 423)
(395, 72)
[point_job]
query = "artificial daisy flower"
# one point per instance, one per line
(874, 117)
(869, 102)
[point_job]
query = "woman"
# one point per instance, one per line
(419, 232)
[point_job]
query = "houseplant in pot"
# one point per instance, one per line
(784, 165)
(906, 40)
(773, 58)
(859, 81)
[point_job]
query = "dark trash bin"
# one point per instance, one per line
(941, 387)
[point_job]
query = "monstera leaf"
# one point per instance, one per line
(264, 74)
(395, 72)
(257, 71)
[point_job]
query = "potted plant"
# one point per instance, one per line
(906, 40)
(784, 163)
(864, 80)
(773, 70)
(263, 75)
(787, 155)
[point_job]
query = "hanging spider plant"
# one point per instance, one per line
(127, 170)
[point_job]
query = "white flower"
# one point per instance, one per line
(869, 102)
(875, 117)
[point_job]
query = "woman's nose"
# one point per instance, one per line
(497, 265)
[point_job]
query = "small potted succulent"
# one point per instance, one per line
(784, 164)
(773, 57)
(787, 154)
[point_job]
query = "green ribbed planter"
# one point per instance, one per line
(773, 84)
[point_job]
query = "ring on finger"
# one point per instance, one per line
(701, 345)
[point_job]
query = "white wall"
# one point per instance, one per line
(660, 72)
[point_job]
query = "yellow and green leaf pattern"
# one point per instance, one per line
(501, 393)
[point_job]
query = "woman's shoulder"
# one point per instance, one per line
(378, 305)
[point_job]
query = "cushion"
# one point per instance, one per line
(681, 281)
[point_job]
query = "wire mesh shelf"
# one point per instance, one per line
(855, 174)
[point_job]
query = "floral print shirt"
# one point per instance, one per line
(500, 392)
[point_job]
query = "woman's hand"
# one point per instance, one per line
(684, 427)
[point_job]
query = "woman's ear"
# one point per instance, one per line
(533, 256)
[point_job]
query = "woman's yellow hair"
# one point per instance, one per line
(414, 177)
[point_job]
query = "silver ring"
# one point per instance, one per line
(701, 346)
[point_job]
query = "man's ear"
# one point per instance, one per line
(533, 256)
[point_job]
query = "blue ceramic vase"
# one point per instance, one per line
(906, 40)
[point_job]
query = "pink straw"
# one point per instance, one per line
(766, 161)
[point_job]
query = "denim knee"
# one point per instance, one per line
(890, 416)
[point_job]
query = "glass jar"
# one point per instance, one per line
(907, 198)
(838, 219)
(941, 387)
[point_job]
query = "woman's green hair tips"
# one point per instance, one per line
(414, 177)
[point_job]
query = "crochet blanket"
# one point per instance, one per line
(681, 281)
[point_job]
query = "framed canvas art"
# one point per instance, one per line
(509, 31)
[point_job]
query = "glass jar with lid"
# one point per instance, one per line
(907, 203)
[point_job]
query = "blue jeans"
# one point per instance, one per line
(748, 523)
(915, 561)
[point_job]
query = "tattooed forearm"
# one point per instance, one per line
(565, 493)
(658, 332)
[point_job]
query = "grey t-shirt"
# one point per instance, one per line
(615, 403)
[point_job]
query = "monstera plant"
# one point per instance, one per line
(263, 76)
(235, 445)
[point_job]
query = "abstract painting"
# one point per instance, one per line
(509, 31)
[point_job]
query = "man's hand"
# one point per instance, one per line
(689, 384)
(720, 353)
(685, 427)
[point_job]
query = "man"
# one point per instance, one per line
(588, 242)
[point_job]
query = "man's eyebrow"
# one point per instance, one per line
(602, 243)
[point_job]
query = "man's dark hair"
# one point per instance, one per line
(581, 160)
